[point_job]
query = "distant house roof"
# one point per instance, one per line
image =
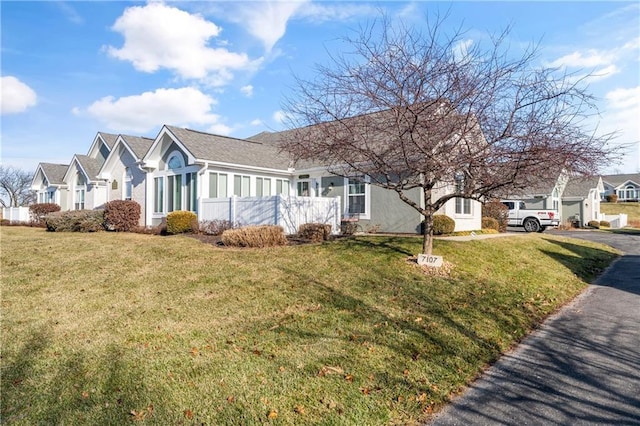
(90, 165)
(139, 145)
(54, 172)
(225, 149)
(579, 187)
(617, 180)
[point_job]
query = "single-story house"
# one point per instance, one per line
(75, 185)
(581, 200)
(625, 186)
(183, 169)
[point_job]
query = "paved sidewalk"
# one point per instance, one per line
(583, 365)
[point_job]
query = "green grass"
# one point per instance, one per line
(124, 328)
(632, 210)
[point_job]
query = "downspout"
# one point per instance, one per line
(199, 185)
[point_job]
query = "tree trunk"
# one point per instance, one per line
(427, 240)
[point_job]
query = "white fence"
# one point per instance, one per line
(16, 214)
(287, 211)
(616, 221)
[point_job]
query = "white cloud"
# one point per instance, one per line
(335, 11)
(16, 96)
(159, 36)
(279, 116)
(257, 122)
(145, 112)
(590, 58)
(247, 90)
(621, 115)
(267, 20)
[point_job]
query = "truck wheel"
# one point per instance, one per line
(531, 225)
(542, 228)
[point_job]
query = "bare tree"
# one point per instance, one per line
(426, 110)
(15, 187)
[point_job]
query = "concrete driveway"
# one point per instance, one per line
(582, 367)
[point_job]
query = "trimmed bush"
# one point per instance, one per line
(611, 198)
(121, 215)
(348, 227)
(40, 210)
(255, 236)
(181, 221)
(315, 231)
(605, 223)
(498, 211)
(490, 223)
(75, 221)
(594, 224)
(215, 227)
(443, 224)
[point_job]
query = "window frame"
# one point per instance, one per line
(366, 182)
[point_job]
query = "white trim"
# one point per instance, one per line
(367, 198)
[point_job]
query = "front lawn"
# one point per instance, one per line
(124, 328)
(632, 210)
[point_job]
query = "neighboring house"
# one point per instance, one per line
(121, 171)
(48, 182)
(581, 200)
(85, 189)
(625, 186)
(546, 195)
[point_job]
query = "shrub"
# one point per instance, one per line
(611, 198)
(315, 231)
(180, 221)
(121, 215)
(215, 227)
(605, 223)
(40, 210)
(594, 224)
(490, 223)
(442, 225)
(75, 221)
(255, 236)
(348, 227)
(498, 211)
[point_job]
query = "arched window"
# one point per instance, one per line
(175, 162)
(80, 192)
(128, 183)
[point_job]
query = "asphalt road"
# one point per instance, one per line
(582, 367)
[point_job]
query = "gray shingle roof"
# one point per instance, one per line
(90, 165)
(617, 180)
(139, 145)
(580, 186)
(54, 172)
(207, 146)
(109, 138)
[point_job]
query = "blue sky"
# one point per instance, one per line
(71, 69)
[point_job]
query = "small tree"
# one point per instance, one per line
(418, 110)
(15, 187)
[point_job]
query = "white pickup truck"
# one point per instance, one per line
(530, 220)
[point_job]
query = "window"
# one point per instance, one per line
(174, 193)
(128, 183)
(282, 186)
(51, 196)
(217, 185)
(241, 186)
(191, 192)
(303, 188)
(158, 195)
(175, 162)
(357, 196)
(463, 205)
(79, 204)
(263, 187)
(79, 192)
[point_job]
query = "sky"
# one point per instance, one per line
(72, 69)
